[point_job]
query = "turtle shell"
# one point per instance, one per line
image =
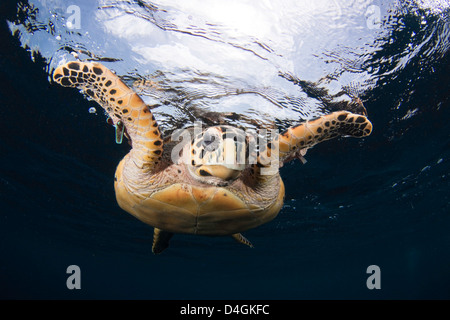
(185, 208)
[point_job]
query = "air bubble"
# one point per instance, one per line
(120, 129)
(92, 110)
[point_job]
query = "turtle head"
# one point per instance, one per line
(218, 155)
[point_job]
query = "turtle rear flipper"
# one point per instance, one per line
(241, 239)
(124, 107)
(160, 240)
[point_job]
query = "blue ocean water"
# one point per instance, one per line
(382, 200)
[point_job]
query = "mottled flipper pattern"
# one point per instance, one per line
(241, 239)
(122, 104)
(160, 240)
(309, 133)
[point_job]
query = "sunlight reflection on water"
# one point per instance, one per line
(266, 63)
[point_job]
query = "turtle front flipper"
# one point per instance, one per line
(309, 133)
(125, 108)
(160, 240)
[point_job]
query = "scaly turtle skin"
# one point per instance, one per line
(207, 184)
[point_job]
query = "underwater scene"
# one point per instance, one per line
(364, 216)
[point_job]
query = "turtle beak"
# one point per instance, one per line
(218, 171)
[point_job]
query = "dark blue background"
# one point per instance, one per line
(58, 206)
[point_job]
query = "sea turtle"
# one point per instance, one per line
(216, 182)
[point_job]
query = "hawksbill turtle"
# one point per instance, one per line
(216, 183)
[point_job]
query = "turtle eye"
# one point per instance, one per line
(210, 141)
